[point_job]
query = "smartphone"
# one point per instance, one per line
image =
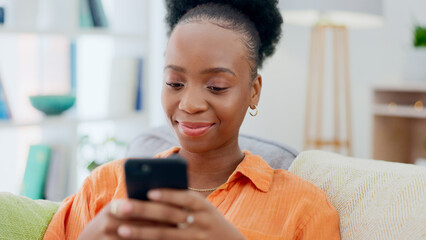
(145, 174)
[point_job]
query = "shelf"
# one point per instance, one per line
(60, 120)
(137, 31)
(109, 33)
(130, 116)
(410, 88)
(74, 34)
(399, 111)
(44, 121)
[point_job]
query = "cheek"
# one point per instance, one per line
(234, 108)
(166, 101)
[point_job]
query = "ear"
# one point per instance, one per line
(256, 87)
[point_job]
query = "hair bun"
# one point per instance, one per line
(263, 13)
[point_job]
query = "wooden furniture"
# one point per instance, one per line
(315, 111)
(400, 123)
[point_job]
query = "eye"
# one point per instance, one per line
(216, 89)
(176, 86)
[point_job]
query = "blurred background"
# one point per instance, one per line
(108, 54)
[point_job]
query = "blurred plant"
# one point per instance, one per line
(97, 154)
(420, 36)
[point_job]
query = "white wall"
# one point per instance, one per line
(377, 57)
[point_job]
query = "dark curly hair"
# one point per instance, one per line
(259, 21)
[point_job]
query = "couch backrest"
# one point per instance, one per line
(375, 199)
(279, 156)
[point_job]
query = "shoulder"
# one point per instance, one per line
(283, 186)
(301, 194)
(108, 178)
(316, 216)
(112, 169)
(291, 203)
(283, 180)
(280, 181)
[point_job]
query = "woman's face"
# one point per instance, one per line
(206, 86)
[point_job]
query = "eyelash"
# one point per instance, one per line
(175, 85)
(178, 86)
(216, 89)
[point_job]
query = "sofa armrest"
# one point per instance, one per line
(375, 199)
(24, 218)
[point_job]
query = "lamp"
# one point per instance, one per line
(349, 13)
(335, 16)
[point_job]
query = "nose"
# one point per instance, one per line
(193, 101)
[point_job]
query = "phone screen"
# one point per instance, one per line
(143, 175)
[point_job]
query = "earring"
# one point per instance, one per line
(256, 111)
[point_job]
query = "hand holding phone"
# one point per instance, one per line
(143, 175)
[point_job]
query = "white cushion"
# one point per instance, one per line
(375, 199)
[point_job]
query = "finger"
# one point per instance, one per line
(116, 208)
(111, 224)
(121, 208)
(154, 211)
(154, 233)
(115, 216)
(185, 199)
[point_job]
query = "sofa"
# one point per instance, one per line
(375, 199)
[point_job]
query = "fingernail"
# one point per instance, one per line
(154, 195)
(124, 231)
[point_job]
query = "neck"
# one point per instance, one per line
(212, 168)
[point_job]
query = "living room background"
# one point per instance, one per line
(378, 57)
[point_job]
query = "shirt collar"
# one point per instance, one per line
(256, 170)
(252, 167)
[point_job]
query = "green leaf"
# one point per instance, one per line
(420, 36)
(92, 165)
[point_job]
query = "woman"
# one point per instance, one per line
(210, 81)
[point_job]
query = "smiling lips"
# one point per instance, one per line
(194, 129)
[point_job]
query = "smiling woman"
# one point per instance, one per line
(210, 81)
(208, 88)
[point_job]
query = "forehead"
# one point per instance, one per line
(205, 43)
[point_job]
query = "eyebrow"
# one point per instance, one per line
(218, 70)
(175, 68)
(206, 71)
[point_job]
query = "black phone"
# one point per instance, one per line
(145, 174)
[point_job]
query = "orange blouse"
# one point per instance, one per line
(262, 203)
